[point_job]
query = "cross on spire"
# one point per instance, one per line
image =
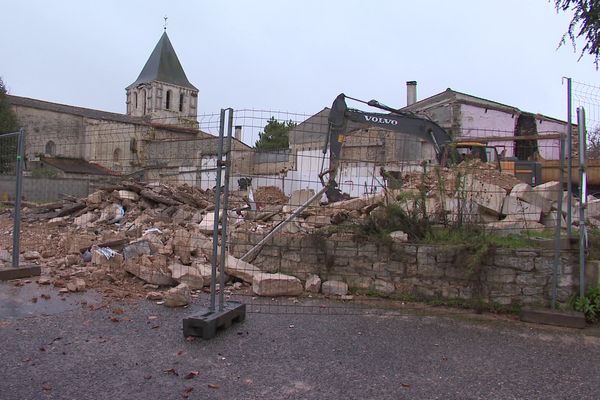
(165, 25)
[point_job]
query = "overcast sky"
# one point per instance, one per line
(293, 56)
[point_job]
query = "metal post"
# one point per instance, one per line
(18, 194)
(570, 156)
(213, 274)
(225, 206)
(583, 198)
(557, 242)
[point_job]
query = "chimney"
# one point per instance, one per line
(411, 92)
(238, 132)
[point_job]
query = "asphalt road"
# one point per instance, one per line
(136, 350)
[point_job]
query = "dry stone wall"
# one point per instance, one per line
(508, 276)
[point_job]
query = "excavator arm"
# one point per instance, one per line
(395, 120)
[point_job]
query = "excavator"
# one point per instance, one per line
(447, 151)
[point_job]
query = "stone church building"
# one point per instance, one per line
(158, 137)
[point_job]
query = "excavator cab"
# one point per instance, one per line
(455, 153)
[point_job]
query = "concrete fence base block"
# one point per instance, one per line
(26, 271)
(568, 319)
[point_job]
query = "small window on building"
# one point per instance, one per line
(117, 155)
(144, 101)
(135, 103)
(181, 102)
(168, 102)
(50, 148)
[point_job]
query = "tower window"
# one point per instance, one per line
(135, 103)
(144, 101)
(50, 148)
(181, 102)
(168, 103)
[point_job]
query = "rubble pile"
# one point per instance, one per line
(141, 238)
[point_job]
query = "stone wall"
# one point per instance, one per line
(507, 276)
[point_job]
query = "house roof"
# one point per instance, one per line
(164, 66)
(450, 96)
(76, 166)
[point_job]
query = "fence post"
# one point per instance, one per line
(583, 198)
(18, 194)
(225, 206)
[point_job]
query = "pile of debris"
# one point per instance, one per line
(162, 234)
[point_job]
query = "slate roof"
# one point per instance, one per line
(76, 166)
(164, 66)
(80, 111)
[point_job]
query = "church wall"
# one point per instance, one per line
(65, 131)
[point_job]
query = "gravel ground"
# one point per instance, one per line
(136, 350)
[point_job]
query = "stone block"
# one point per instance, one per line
(272, 285)
(240, 269)
(434, 270)
(188, 274)
(178, 296)
(299, 197)
(136, 249)
(521, 263)
(384, 287)
(549, 190)
(313, 284)
(501, 275)
(151, 269)
(524, 192)
(486, 195)
(181, 245)
(337, 288)
(318, 221)
(519, 210)
(126, 195)
(550, 220)
(359, 282)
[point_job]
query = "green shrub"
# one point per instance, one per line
(589, 304)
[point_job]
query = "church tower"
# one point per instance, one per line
(162, 92)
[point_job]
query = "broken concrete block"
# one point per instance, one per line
(127, 195)
(240, 269)
(299, 197)
(313, 284)
(550, 219)
(111, 214)
(103, 258)
(516, 209)
(76, 285)
(181, 245)
(31, 255)
(151, 269)
(94, 198)
(399, 236)
(85, 220)
(5, 256)
(592, 209)
(488, 196)
(77, 243)
(549, 190)
(178, 296)
(187, 274)
(136, 249)
(207, 225)
(201, 244)
(463, 210)
(205, 270)
(524, 192)
(336, 288)
(264, 284)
